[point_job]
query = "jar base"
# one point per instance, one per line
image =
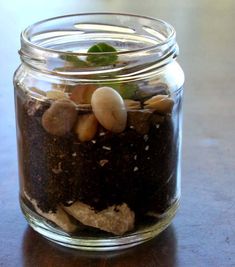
(55, 235)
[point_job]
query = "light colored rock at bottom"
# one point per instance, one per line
(60, 217)
(115, 219)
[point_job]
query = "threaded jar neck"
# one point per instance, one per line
(143, 45)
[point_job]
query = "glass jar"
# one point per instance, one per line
(98, 112)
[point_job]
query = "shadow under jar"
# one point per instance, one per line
(98, 113)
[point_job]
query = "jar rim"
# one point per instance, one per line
(25, 35)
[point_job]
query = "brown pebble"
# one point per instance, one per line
(160, 103)
(139, 120)
(132, 104)
(60, 117)
(81, 94)
(86, 127)
(56, 94)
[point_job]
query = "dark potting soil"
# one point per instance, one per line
(132, 167)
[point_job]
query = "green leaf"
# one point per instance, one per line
(108, 55)
(103, 59)
(126, 90)
(76, 62)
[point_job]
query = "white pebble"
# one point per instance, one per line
(109, 109)
(106, 147)
(103, 162)
(146, 137)
(136, 169)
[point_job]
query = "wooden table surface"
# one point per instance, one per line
(203, 232)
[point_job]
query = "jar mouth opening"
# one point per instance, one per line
(157, 32)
